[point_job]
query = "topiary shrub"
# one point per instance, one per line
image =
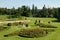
(5, 35)
(39, 21)
(26, 25)
(9, 24)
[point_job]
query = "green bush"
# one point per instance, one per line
(46, 25)
(39, 21)
(35, 22)
(26, 25)
(49, 22)
(2, 28)
(5, 35)
(31, 33)
(9, 24)
(12, 16)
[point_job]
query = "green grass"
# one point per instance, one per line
(5, 18)
(51, 36)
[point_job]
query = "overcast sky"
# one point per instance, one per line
(38, 3)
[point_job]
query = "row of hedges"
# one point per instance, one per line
(46, 25)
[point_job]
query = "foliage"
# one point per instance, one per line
(58, 15)
(9, 24)
(28, 12)
(27, 25)
(46, 25)
(2, 28)
(35, 22)
(31, 33)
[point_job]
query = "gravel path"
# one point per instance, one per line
(14, 21)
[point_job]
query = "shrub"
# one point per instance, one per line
(5, 35)
(20, 23)
(39, 21)
(12, 16)
(35, 22)
(9, 24)
(27, 25)
(46, 25)
(49, 22)
(31, 33)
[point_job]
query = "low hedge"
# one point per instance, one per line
(46, 25)
(31, 33)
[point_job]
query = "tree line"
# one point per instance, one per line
(28, 12)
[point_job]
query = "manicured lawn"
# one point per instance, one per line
(51, 36)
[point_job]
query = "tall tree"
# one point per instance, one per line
(58, 15)
(33, 10)
(36, 12)
(45, 11)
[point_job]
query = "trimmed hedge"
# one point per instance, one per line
(46, 25)
(31, 33)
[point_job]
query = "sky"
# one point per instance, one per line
(38, 3)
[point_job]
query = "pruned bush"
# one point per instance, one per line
(26, 25)
(31, 33)
(39, 21)
(5, 35)
(9, 24)
(35, 22)
(46, 25)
